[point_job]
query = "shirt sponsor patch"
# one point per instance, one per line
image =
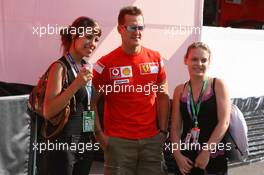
(99, 67)
(121, 72)
(149, 68)
(161, 63)
(123, 81)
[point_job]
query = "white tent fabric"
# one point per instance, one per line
(15, 136)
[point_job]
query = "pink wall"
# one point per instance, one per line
(24, 56)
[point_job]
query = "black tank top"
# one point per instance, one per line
(81, 95)
(207, 117)
(75, 121)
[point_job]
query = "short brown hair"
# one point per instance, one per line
(198, 45)
(129, 10)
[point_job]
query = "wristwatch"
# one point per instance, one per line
(165, 132)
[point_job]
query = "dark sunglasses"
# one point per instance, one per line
(133, 28)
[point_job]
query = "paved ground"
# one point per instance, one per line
(251, 169)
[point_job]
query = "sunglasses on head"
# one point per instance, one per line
(133, 28)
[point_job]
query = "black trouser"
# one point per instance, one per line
(216, 166)
(194, 171)
(68, 161)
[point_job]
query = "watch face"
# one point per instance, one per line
(164, 132)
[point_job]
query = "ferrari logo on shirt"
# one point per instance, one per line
(145, 68)
(121, 72)
(149, 68)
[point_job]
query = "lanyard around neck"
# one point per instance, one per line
(73, 63)
(190, 102)
(88, 86)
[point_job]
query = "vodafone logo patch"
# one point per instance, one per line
(121, 72)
